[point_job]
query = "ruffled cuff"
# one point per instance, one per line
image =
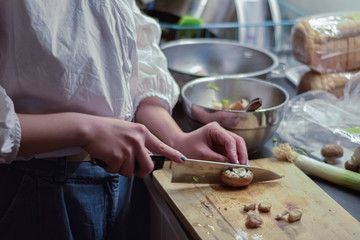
(10, 131)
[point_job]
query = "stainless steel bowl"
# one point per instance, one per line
(193, 58)
(200, 95)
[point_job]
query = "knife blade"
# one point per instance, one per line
(200, 171)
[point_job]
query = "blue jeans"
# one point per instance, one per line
(42, 199)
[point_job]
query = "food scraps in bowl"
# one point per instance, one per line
(226, 104)
(255, 127)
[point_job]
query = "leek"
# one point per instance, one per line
(337, 175)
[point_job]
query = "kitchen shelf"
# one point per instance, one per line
(268, 34)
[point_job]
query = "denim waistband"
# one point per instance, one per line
(60, 169)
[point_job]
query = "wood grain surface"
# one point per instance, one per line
(216, 211)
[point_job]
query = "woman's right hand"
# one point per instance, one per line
(124, 146)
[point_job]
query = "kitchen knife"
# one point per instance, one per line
(199, 171)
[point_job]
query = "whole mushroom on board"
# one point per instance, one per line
(354, 163)
(331, 152)
(237, 177)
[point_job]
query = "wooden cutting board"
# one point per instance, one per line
(216, 211)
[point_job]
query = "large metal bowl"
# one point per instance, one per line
(193, 58)
(199, 96)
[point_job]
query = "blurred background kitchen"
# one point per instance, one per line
(265, 24)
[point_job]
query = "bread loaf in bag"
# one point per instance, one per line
(328, 42)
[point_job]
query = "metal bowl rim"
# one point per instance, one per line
(223, 77)
(176, 43)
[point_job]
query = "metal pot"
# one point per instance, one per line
(194, 58)
(255, 127)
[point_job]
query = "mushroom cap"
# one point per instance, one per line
(350, 166)
(237, 177)
(332, 150)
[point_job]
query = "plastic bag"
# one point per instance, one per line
(316, 117)
(328, 42)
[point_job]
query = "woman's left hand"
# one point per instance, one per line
(214, 143)
(210, 142)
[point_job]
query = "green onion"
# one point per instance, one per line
(224, 103)
(353, 130)
(196, 179)
(216, 88)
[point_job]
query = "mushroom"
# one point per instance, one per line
(350, 166)
(253, 220)
(295, 215)
(237, 177)
(282, 215)
(249, 207)
(264, 207)
(331, 152)
(354, 163)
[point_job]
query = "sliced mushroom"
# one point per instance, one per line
(264, 207)
(253, 220)
(282, 215)
(249, 207)
(294, 215)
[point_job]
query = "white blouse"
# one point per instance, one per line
(97, 57)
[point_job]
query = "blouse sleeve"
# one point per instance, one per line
(10, 133)
(154, 77)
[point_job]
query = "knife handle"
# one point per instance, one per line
(101, 163)
(158, 160)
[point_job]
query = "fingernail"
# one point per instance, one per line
(183, 158)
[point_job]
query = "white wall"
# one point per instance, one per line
(322, 6)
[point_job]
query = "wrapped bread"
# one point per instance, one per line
(328, 43)
(330, 82)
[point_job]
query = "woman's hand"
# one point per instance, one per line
(214, 143)
(124, 147)
(211, 142)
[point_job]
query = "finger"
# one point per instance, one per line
(157, 146)
(148, 151)
(225, 139)
(110, 166)
(128, 166)
(241, 149)
(144, 164)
